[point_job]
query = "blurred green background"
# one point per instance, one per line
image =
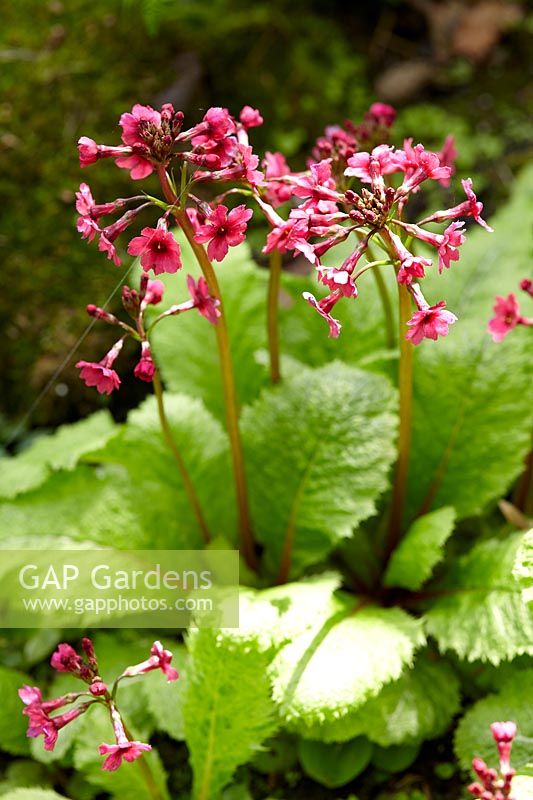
(70, 67)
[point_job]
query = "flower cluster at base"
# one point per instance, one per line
(496, 785)
(66, 659)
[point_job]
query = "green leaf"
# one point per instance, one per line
(395, 759)
(480, 613)
(139, 446)
(185, 346)
(227, 708)
(472, 397)
(334, 765)
(318, 448)
(513, 702)
(47, 454)
(13, 724)
(420, 705)
(86, 506)
(420, 550)
(363, 648)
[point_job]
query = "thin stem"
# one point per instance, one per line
(385, 302)
(274, 281)
(228, 377)
(146, 770)
(387, 309)
(187, 481)
(404, 437)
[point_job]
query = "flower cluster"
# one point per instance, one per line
(494, 785)
(66, 659)
(356, 188)
(330, 210)
(135, 302)
(507, 313)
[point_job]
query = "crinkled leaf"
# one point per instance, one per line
(523, 566)
(13, 724)
(139, 446)
(227, 709)
(420, 550)
(480, 612)
(323, 678)
(472, 409)
(513, 702)
(185, 346)
(419, 705)
(318, 450)
(61, 450)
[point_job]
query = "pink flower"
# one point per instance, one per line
(319, 185)
(382, 114)
(275, 166)
(323, 307)
(207, 305)
(447, 157)
(215, 126)
(430, 323)
(65, 659)
(504, 734)
(106, 380)
(154, 292)
(381, 159)
(250, 117)
(159, 659)
(507, 316)
(223, 230)
(88, 228)
(145, 369)
(527, 286)
(411, 266)
(157, 248)
(38, 712)
(105, 245)
(419, 165)
(135, 122)
(446, 243)
(471, 207)
(98, 688)
(88, 151)
(138, 166)
(129, 751)
(338, 279)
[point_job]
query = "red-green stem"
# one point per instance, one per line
(226, 367)
(274, 281)
(405, 382)
(187, 480)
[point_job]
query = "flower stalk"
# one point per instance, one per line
(274, 281)
(187, 481)
(227, 372)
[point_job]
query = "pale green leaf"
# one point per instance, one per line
(33, 794)
(420, 705)
(472, 406)
(185, 346)
(323, 678)
(47, 454)
(227, 708)
(479, 612)
(420, 550)
(523, 566)
(140, 447)
(318, 450)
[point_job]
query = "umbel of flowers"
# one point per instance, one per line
(42, 721)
